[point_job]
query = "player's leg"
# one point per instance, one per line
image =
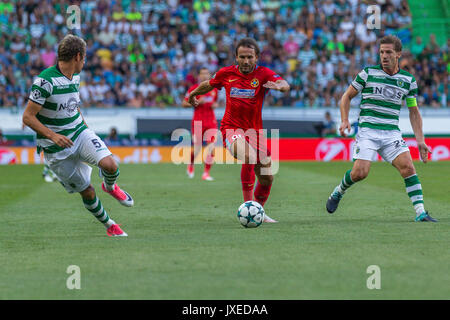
(404, 164)
(359, 172)
(196, 148)
(47, 173)
(94, 151)
(248, 180)
(264, 184)
(365, 150)
(94, 205)
(75, 176)
(210, 136)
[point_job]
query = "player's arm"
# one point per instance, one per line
(203, 87)
(348, 95)
(280, 85)
(186, 104)
(29, 119)
(416, 123)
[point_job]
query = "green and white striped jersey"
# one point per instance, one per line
(382, 96)
(60, 99)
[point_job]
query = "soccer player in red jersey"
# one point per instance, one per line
(246, 84)
(203, 126)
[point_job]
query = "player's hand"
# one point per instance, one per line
(193, 101)
(272, 85)
(61, 141)
(344, 125)
(423, 151)
(201, 100)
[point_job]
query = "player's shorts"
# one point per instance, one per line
(254, 138)
(387, 143)
(73, 172)
(207, 134)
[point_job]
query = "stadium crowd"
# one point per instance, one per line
(147, 53)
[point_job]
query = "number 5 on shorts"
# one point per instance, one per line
(96, 143)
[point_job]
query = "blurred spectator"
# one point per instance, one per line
(327, 127)
(154, 48)
(112, 139)
(3, 140)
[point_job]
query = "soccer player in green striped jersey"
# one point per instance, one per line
(383, 89)
(53, 112)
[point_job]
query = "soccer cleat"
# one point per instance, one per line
(115, 231)
(207, 177)
(48, 178)
(190, 171)
(122, 196)
(333, 201)
(424, 216)
(269, 219)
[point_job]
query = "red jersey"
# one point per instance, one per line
(204, 111)
(245, 95)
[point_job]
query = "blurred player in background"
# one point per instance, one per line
(53, 113)
(383, 88)
(246, 85)
(203, 121)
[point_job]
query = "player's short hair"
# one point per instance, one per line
(70, 46)
(391, 39)
(248, 43)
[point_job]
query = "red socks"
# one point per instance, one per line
(262, 193)
(208, 162)
(248, 181)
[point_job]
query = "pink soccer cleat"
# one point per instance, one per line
(115, 231)
(122, 196)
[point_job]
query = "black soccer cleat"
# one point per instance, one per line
(333, 201)
(425, 217)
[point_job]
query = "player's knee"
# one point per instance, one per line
(359, 174)
(108, 164)
(408, 170)
(88, 193)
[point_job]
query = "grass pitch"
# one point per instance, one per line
(185, 241)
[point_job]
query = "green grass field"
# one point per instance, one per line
(185, 241)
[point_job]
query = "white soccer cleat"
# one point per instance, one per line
(269, 219)
(48, 178)
(190, 172)
(207, 177)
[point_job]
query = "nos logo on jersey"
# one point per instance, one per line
(70, 106)
(388, 92)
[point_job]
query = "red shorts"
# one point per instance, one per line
(255, 138)
(203, 131)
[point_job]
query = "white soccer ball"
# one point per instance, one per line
(251, 214)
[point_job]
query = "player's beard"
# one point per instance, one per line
(247, 68)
